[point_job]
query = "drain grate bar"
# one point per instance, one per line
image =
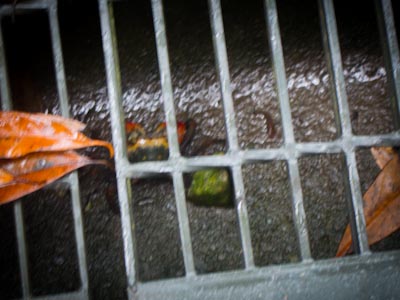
(27, 5)
(332, 50)
(79, 295)
(22, 253)
(18, 213)
(391, 52)
(58, 58)
(147, 169)
(72, 180)
(279, 69)
(118, 135)
(4, 84)
(221, 59)
(346, 278)
(167, 95)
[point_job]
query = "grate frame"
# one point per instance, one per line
(349, 277)
(240, 283)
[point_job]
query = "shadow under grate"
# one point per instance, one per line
(325, 202)
(270, 212)
(51, 242)
(10, 280)
(215, 238)
(156, 230)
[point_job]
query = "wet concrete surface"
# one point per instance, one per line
(216, 240)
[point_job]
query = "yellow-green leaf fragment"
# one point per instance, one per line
(211, 187)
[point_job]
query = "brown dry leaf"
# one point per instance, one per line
(382, 155)
(22, 133)
(381, 205)
(36, 170)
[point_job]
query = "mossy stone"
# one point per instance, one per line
(211, 187)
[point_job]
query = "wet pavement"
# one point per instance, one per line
(215, 233)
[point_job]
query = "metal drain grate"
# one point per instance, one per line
(350, 277)
(72, 179)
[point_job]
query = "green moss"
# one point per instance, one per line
(211, 187)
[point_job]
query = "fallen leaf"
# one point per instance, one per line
(33, 123)
(182, 127)
(22, 133)
(12, 147)
(381, 205)
(382, 155)
(35, 170)
(5, 177)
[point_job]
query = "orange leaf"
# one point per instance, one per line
(5, 178)
(381, 206)
(22, 123)
(23, 133)
(36, 170)
(19, 146)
